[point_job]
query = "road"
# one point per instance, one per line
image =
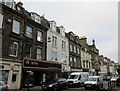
(38, 88)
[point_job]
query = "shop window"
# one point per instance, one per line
(14, 77)
(4, 76)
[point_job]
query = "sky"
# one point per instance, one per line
(95, 19)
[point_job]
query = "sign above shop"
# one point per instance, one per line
(41, 64)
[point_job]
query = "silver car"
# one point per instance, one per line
(93, 82)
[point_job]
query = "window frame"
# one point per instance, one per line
(1, 23)
(39, 55)
(8, 1)
(29, 34)
(14, 27)
(39, 36)
(11, 48)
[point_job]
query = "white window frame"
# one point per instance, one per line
(71, 49)
(54, 55)
(63, 45)
(39, 53)
(39, 36)
(12, 48)
(54, 41)
(74, 49)
(10, 2)
(16, 27)
(1, 20)
(28, 32)
(36, 17)
(71, 61)
(75, 62)
(78, 50)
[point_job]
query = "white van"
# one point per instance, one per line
(77, 78)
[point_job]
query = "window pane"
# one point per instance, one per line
(29, 32)
(1, 20)
(14, 49)
(39, 53)
(14, 77)
(39, 36)
(16, 26)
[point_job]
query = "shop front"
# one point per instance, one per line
(37, 71)
(10, 72)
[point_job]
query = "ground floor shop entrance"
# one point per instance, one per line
(36, 71)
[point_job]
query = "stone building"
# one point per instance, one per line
(23, 39)
(58, 48)
(74, 52)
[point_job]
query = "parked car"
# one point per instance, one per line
(113, 79)
(77, 78)
(118, 81)
(55, 85)
(93, 82)
(3, 86)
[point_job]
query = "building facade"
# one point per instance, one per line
(85, 56)
(94, 58)
(57, 48)
(24, 36)
(74, 52)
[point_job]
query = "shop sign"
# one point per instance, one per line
(32, 63)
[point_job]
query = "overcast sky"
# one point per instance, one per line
(95, 19)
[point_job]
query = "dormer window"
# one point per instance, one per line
(8, 3)
(35, 17)
(62, 30)
(53, 25)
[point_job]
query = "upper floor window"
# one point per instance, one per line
(75, 63)
(54, 56)
(39, 53)
(53, 25)
(39, 36)
(54, 41)
(63, 45)
(35, 17)
(14, 48)
(71, 61)
(74, 49)
(28, 50)
(78, 50)
(8, 3)
(63, 58)
(16, 26)
(29, 31)
(71, 48)
(1, 20)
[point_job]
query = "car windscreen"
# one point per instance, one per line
(73, 76)
(92, 79)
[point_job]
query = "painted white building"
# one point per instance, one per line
(86, 59)
(57, 46)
